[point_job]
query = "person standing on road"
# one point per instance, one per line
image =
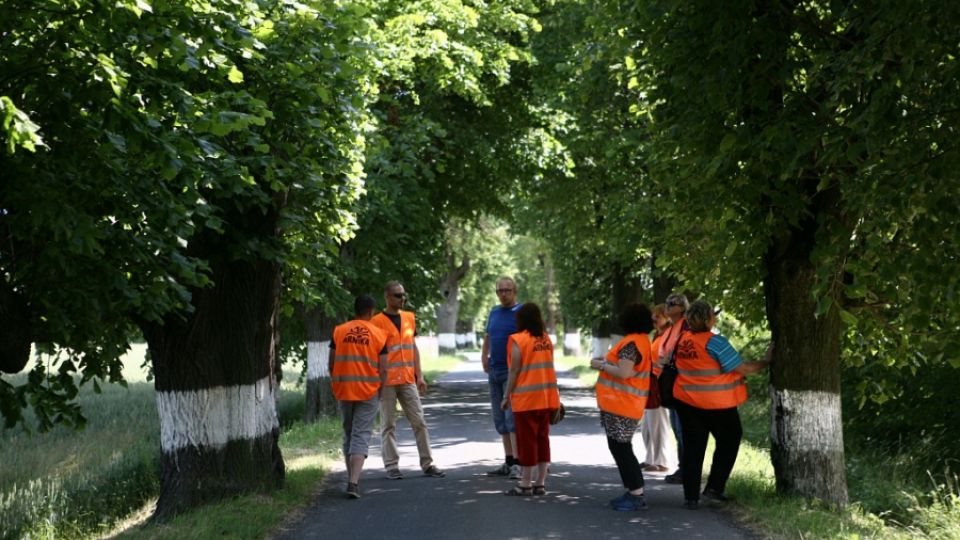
(501, 323)
(676, 308)
(533, 394)
(622, 390)
(710, 385)
(656, 419)
(404, 383)
(357, 368)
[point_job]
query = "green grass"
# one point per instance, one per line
(580, 366)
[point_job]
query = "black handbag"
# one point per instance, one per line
(666, 380)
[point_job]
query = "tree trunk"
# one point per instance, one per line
(320, 400)
(626, 290)
(806, 431)
(216, 391)
(663, 282)
(449, 308)
(601, 339)
(16, 330)
(571, 340)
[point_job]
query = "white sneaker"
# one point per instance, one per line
(515, 473)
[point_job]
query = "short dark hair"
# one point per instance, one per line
(529, 319)
(363, 304)
(698, 316)
(636, 318)
(390, 285)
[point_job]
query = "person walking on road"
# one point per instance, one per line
(710, 385)
(677, 305)
(533, 394)
(404, 383)
(622, 390)
(501, 323)
(357, 372)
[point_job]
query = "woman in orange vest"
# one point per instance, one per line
(655, 426)
(533, 395)
(710, 385)
(622, 391)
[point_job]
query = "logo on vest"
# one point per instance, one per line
(543, 344)
(685, 350)
(358, 335)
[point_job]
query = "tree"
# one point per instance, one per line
(806, 149)
(215, 130)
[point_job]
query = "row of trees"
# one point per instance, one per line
(192, 172)
(794, 161)
(208, 174)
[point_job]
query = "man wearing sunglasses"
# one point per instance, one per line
(677, 305)
(500, 324)
(404, 383)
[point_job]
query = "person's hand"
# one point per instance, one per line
(504, 403)
(596, 363)
(486, 364)
(421, 385)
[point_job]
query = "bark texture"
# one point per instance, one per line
(321, 402)
(449, 308)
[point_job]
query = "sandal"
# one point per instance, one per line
(539, 490)
(519, 491)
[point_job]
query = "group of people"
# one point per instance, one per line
(375, 364)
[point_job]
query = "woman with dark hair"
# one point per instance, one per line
(533, 395)
(622, 391)
(710, 385)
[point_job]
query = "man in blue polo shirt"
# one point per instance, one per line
(500, 324)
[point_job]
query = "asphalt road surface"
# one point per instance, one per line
(469, 504)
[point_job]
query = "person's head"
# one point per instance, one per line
(677, 305)
(363, 306)
(700, 316)
(660, 318)
(394, 295)
(636, 319)
(529, 319)
(506, 291)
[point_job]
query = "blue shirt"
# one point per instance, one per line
(723, 352)
(501, 323)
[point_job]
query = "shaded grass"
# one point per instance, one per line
(580, 366)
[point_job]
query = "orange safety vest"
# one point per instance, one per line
(626, 397)
(700, 382)
(401, 347)
(655, 350)
(537, 381)
(356, 361)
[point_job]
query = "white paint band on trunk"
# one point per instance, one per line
(811, 420)
(447, 341)
(553, 339)
(427, 345)
(318, 356)
(571, 340)
(599, 347)
(213, 417)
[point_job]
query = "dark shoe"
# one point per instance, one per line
(631, 503)
(539, 490)
(503, 470)
(691, 504)
(715, 495)
(353, 491)
(620, 499)
(434, 471)
(519, 491)
(394, 474)
(675, 478)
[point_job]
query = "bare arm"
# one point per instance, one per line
(418, 372)
(746, 368)
(485, 353)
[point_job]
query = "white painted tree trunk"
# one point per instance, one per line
(599, 347)
(571, 344)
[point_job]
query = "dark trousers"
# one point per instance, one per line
(630, 472)
(697, 425)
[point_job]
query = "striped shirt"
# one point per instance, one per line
(720, 349)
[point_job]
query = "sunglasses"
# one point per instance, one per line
(503, 291)
(399, 295)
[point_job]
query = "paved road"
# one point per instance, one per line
(468, 504)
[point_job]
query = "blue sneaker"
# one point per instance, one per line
(620, 499)
(631, 503)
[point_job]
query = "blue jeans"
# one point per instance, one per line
(678, 433)
(502, 420)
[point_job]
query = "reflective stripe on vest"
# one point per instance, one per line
(626, 397)
(356, 362)
(537, 379)
(700, 381)
(401, 347)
